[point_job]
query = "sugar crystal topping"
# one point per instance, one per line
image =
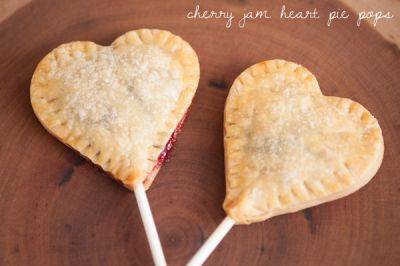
(129, 93)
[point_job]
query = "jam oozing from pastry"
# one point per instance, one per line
(170, 144)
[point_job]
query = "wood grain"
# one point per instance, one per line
(389, 29)
(57, 209)
(8, 7)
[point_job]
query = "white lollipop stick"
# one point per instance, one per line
(212, 242)
(149, 225)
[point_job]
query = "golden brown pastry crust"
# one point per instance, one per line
(117, 105)
(288, 150)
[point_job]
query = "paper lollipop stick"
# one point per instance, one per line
(212, 242)
(149, 225)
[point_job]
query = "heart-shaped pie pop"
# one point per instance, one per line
(288, 147)
(122, 105)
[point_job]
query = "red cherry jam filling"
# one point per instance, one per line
(171, 142)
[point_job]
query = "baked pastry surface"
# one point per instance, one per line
(117, 105)
(288, 147)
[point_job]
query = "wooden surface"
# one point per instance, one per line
(57, 209)
(389, 29)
